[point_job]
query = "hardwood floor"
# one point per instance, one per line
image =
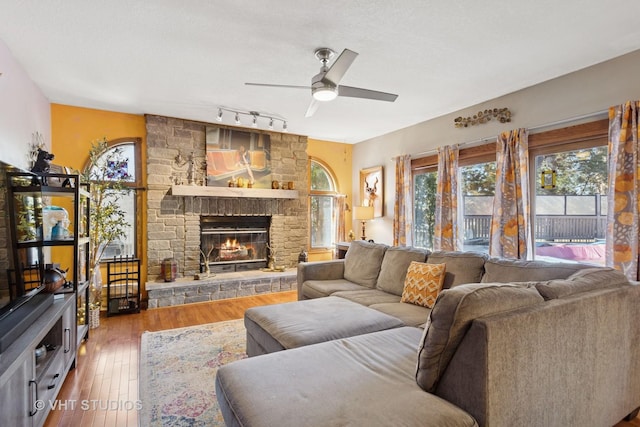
(104, 385)
(106, 377)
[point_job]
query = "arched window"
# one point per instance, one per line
(323, 193)
(120, 160)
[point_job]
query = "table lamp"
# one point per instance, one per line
(363, 213)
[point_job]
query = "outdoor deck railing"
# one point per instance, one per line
(551, 228)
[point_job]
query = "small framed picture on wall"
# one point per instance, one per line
(372, 189)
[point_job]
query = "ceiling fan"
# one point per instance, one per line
(325, 85)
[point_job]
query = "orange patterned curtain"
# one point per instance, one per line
(622, 199)
(510, 235)
(402, 211)
(446, 236)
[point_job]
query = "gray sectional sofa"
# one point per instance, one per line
(507, 343)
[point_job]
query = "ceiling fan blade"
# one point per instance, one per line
(287, 86)
(340, 67)
(313, 107)
(356, 92)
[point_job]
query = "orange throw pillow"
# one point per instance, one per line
(423, 283)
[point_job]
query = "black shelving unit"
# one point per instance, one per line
(28, 194)
(123, 285)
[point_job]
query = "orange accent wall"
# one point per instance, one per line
(338, 157)
(74, 129)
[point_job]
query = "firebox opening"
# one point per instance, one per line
(234, 243)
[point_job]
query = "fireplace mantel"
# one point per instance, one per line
(234, 192)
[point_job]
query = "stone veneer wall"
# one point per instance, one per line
(174, 221)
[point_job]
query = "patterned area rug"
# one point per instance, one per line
(178, 369)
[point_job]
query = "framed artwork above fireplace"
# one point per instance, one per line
(237, 158)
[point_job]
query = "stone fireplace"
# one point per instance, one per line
(174, 220)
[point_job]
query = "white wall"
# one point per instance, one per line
(581, 93)
(24, 110)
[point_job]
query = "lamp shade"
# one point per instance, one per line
(363, 213)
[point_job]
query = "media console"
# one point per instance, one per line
(30, 380)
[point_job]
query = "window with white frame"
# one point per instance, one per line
(323, 193)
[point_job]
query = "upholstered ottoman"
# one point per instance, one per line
(279, 327)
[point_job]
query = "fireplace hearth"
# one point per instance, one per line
(234, 243)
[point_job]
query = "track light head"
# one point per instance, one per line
(219, 118)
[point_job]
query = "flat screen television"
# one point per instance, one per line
(20, 303)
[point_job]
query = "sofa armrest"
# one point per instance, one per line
(519, 367)
(319, 270)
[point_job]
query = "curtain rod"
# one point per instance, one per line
(469, 144)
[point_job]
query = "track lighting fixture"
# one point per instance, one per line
(256, 118)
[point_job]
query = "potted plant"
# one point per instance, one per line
(107, 175)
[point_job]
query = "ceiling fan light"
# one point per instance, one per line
(325, 93)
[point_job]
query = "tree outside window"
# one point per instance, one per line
(323, 192)
(113, 175)
(424, 209)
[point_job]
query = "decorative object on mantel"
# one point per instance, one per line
(191, 169)
(255, 115)
(503, 115)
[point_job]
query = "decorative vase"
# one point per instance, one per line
(94, 317)
(169, 269)
(95, 286)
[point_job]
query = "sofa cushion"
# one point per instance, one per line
(324, 288)
(451, 317)
(367, 296)
(423, 283)
(506, 270)
(296, 324)
(362, 262)
(395, 265)
(582, 281)
(462, 267)
(358, 381)
(410, 314)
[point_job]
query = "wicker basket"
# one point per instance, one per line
(94, 317)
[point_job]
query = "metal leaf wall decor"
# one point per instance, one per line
(503, 115)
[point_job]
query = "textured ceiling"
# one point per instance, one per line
(184, 59)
